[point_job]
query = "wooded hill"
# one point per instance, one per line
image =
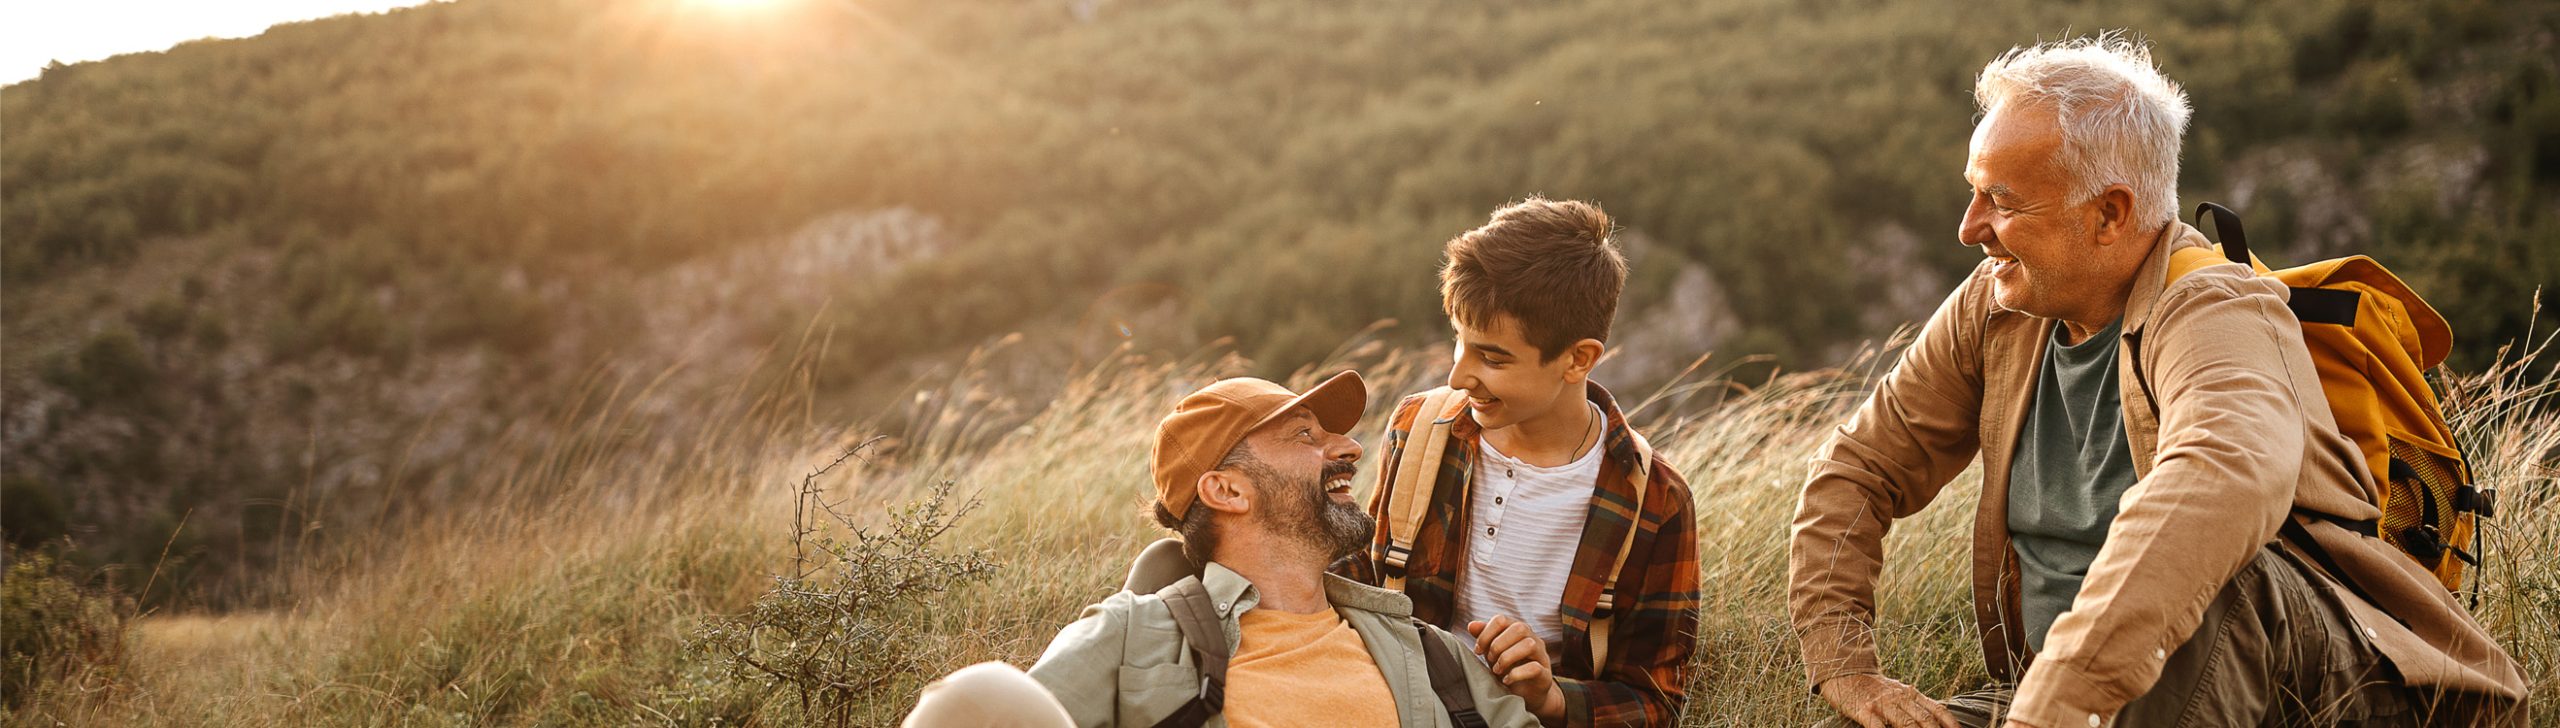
(305, 278)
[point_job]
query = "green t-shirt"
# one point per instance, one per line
(2073, 464)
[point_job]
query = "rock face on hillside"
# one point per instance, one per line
(1654, 343)
(1903, 290)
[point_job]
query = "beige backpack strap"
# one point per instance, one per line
(1640, 478)
(1416, 468)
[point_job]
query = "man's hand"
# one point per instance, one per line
(1876, 701)
(1520, 660)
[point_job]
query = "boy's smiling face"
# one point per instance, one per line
(1509, 381)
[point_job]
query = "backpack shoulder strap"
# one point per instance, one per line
(1448, 679)
(1641, 478)
(1416, 467)
(2312, 303)
(1199, 623)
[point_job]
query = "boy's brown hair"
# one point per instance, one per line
(1550, 264)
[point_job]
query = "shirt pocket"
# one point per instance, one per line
(1148, 694)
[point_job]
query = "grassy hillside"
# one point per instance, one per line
(266, 291)
(577, 610)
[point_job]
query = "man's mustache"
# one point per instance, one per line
(1337, 467)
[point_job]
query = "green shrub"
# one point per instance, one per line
(210, 334)
(35, 513)
(162, 319)
(2378, 97)
(62, 638)
(110, 368)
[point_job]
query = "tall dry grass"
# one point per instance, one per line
(2508, 420)
(565, 595)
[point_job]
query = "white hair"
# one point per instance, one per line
(2122, 121)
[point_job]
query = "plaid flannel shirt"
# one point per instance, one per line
(1657, 599)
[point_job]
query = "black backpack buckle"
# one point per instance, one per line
(1213, 692)
(2482, 501)
(2424, 543)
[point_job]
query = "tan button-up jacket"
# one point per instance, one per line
(2230, 434)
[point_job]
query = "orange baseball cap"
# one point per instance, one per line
(1209, 422)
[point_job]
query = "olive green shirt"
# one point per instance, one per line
(2073, 464)
(1123, 663)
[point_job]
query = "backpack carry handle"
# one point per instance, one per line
(2226, 230)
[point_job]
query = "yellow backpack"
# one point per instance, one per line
(2372, 340)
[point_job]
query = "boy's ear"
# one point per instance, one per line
(1224, 492)
(1584, 355)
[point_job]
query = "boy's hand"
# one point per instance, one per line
(1520, 660)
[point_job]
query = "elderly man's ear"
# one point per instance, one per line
(2115, 215)
(1226, 492)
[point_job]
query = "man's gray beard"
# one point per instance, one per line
(1333, 529)
(1348, 527)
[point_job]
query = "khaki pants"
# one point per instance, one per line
(991, 694)
(2274, 649)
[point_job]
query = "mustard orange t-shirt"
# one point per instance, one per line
(1304, 669)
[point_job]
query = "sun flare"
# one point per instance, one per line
(738, 5)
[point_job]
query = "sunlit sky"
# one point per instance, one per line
(34, 32)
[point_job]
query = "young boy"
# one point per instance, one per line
(1540, 481)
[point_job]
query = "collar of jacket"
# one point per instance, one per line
(1235, 595)
(2153, 277)
(1619, 438)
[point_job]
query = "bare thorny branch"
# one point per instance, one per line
(836, 627)
(802, 525)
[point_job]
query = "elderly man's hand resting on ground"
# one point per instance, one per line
(1876, 701)
(1520, 659)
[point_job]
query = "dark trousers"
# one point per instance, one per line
(2274, 649)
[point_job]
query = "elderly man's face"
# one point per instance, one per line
(2022, 215)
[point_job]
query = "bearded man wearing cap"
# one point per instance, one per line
(1257, 482)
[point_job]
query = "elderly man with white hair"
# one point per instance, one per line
(2143, 441)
